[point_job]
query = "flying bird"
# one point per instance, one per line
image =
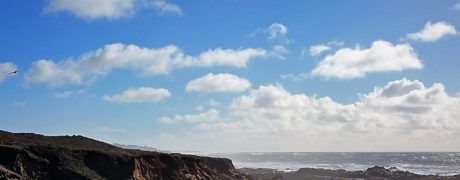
(13, 72)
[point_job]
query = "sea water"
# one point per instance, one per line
(436, 163)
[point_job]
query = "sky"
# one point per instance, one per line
(234, 75)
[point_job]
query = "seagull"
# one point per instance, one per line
(13, 72)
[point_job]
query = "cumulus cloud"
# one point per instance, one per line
(402, 115)
(218, 83)
(382, 56)
(5, 70)
(223, 57)
(110, 9)
(150, 61)
(433, 32)
(209, 116)
(139, 95)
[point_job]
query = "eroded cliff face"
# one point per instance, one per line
(31, 156)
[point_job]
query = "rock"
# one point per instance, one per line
(33, 156)
(393, 169)
(378, 172)
(374, 173)
(7, 174)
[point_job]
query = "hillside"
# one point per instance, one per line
(33, 156)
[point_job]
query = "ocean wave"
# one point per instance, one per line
(443, 164)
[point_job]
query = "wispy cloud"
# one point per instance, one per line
(316, 50)
(276, 32)
(110, 130)
(279, 51)
(166, 7)
(456, 6)
(66, 94)
(5, 70)
(108, 9)
(296, 77)
(139, 95)
(18, 104)
(209, 116)
(213, 102)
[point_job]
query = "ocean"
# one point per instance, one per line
(436, 163)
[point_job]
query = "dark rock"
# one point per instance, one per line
(7, 174)
(33, 156)
(374, 173)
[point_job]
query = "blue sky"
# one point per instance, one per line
(235, 75)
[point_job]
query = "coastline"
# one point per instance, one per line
(34, 156)
(375, 172)
(423, 163)
(353, 167)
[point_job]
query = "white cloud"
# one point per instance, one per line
(382, 56)
(199, 108)
(64, 94)
(18, 104)
(149, 61)
(139, 95)
(433, 32)
(209, 116)
(335, 43)
(5, 70)
(54, 74)
(90, 9)
(404, 115)
(457, 6)
(223, 57)
(164, 6)
(218, 83)
(110, 9)
(275, 31)
(318, 49)
(213, 102)
(279, 51)
(110, 130)
(296, 77)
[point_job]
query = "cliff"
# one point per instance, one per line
(33, 156)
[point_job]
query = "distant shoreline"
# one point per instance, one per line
(375, 172)
(290, 170)
(423, 163)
